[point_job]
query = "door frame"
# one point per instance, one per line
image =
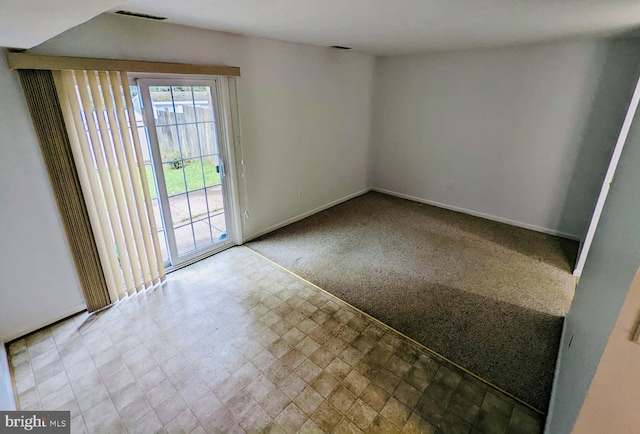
(225, 127)
(609, 178)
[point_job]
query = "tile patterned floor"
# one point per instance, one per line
(235, 344)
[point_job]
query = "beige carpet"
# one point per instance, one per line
(489, 296)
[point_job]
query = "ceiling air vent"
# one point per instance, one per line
(340, 47)
(139, 15)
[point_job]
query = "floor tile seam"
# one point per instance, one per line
(82, 339)
(102, 377)
(64, 369)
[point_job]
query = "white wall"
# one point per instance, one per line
(520, 134)
(305, 111)
(608, 273)
(39, 283)
(305, 114)
(7, 399)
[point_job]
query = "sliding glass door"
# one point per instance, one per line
(188, 162)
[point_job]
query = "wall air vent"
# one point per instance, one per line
(140, 15)
(340, 47)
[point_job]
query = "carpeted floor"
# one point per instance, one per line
(489, 296)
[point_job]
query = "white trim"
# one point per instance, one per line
(156, 164)
(577, 271)
(414, 199)
(480, 214)
(305, 215)
(44, 323)
(192, 259)
(554, 386)
(608, 179)
(232, 118)
(225, 133)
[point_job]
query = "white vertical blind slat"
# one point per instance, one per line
(158, 271)
(147, 258)
(89, 181)
(116, 191)
(103, 172)
(127, 252)
(136, 255)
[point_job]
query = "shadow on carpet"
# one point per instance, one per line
(488, 296)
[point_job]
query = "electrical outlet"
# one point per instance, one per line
(300, 194)
(450, 185)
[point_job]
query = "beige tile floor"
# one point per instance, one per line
(235, 344)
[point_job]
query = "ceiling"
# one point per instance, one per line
(373, 26)
(26, 23)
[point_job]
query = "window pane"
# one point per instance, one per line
(202, 232)
(183, 103)
(193, 173)
(189, 140)
(169, 143)
(214, 200)
(162, 105)
(208, 139)
(212, 177)
(203, 103)
(174, 177)
(184, 240)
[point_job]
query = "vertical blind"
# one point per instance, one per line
(99, 115)
(44, 106)
(85, 123)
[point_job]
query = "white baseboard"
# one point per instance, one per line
(44, 323)
(415, 199)
(305, 215)
(480, 214)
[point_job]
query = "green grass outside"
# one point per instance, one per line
(174, 178)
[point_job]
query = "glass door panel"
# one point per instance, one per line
(188, 164)
(143, 133)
